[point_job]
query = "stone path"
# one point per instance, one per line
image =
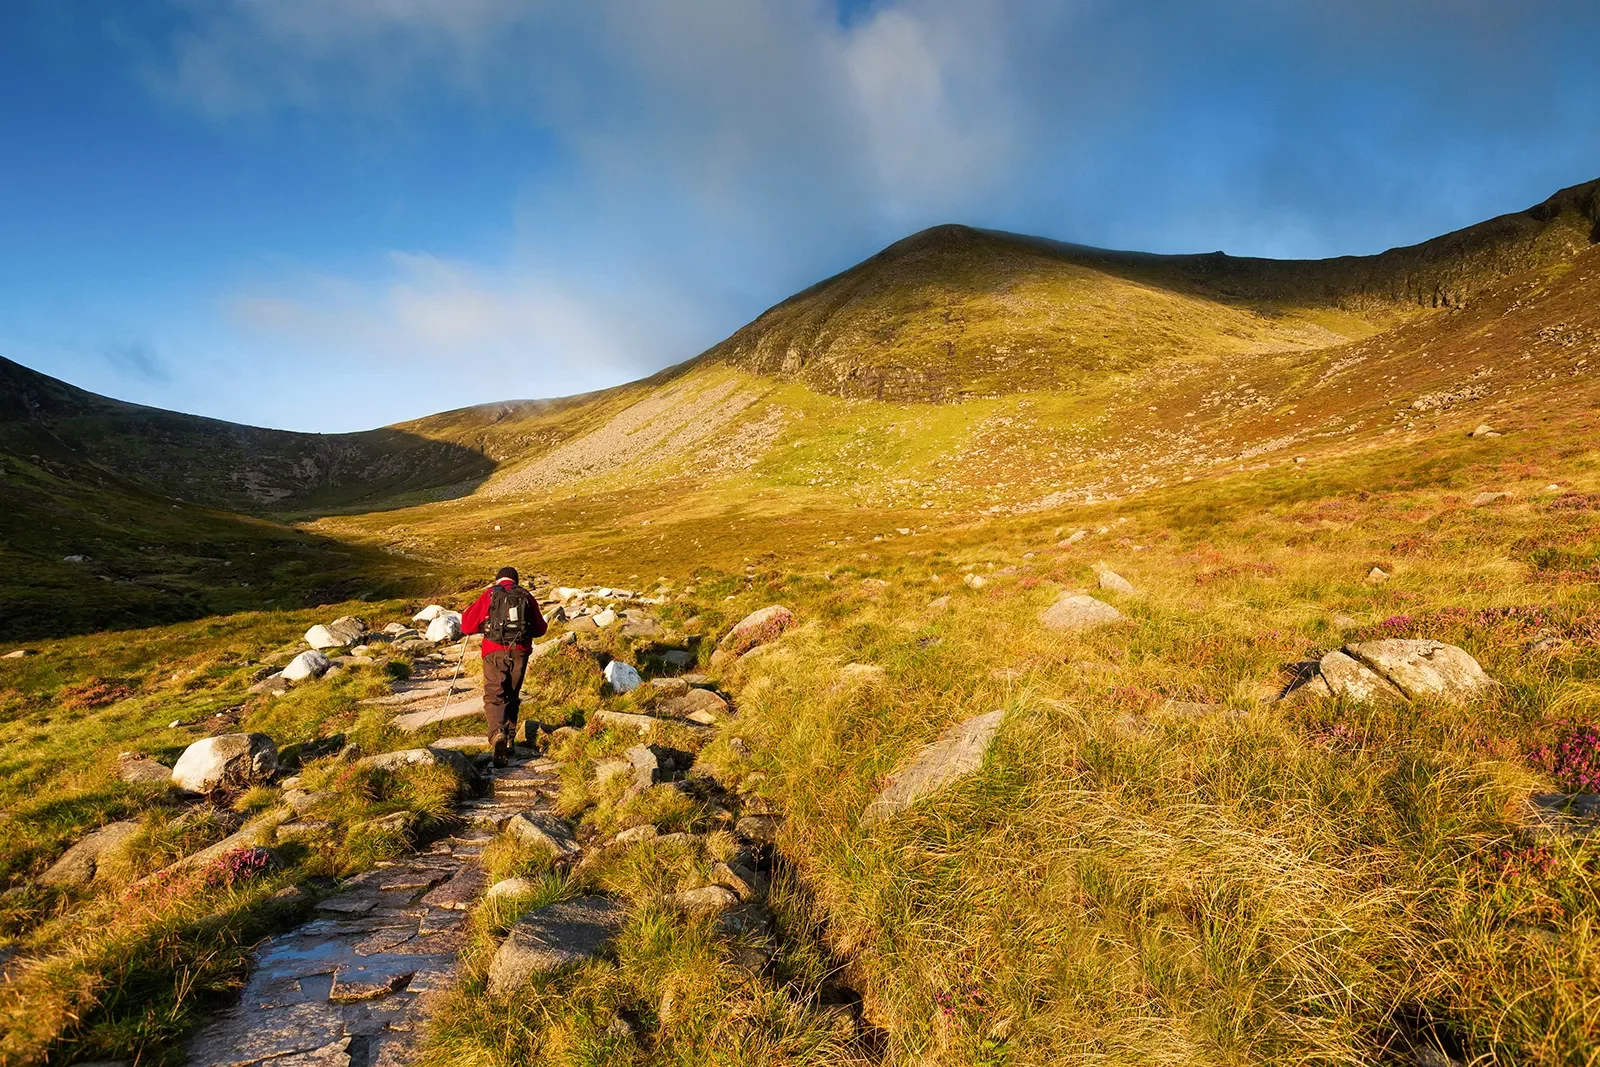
(355, 985)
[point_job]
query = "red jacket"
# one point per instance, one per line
(473, 618)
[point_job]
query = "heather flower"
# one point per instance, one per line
(237, 866)
(1574, 760)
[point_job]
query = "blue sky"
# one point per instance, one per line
(334, 214)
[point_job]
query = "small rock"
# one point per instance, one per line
(668, 688)
(1484, 499)
(428, 614)
(300, 830)
(635, 834)
(746, 884)
(647, 769)
(707, 899)
(761, 829)
(1079, 612)
(974, 581)
(1110, 579)
(939, 603)
(550, 938)
(544, 829)
(134, 769)
(622, 677)
(756, 628)
(1377, 576)
(273, 684)
(446, 626)
(605, 618)
(75, 558)
(697, 705)
(226, 760)
(513, 887)
(432, 757)
(677, 657)
(311, 664)
(19, 653)
(1483, 430)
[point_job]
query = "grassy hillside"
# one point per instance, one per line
(1157, 863)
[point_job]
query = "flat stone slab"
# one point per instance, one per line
(414, 691)
(958, 752)
(459, 893)
(556, 936)
(416, 720)
(544, 828)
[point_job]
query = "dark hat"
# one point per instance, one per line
(507, 572)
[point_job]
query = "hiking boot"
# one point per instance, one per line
(502, 752)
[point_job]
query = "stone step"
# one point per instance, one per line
(416, 720)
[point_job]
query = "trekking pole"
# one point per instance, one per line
(449, 692)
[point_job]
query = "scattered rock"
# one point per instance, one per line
(668, 688)
(1110, 579)
(303, 829)
(75, 558)
(512, 887)
(1483, 499)
(1423, 668)
(677, 657)
(622, 677)
(339, 633)
(756, 628)
(312, 664)
(134, 769)
(428, 614)
(974, 581)
(635, 834)
(709, 898)
(605, 618)
(226, 760)
(761, 829)
(19, 653)
(430, 757)
(1377, 576)
(696, 705)
(957, 753)
(1483, 430)
(647, 769)
(1079, 612)
(273, 684)
(80, 864)
(446, 626)
(939, 603)
(550, 938)
(746, 883)
(545, 829)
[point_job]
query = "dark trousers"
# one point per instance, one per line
(502, 691)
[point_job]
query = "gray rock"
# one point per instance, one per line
(461, 891)
(1424, 668)
(310, 664)
(300, 801)
(550, 938)
(622, 677)
(647, 769)
(304, 829)
(1377, 576)
(668, 689)
(135, 769)
(1484, 499)
(709, 898)
(80, 864)
(545, 829)
(747, 884)
(1350, 679)
(1110, 579)
(696, 705)
(231, 760)
(1079, 612)
(676, 657)
(762, 829)
(1483, 430)
(513, 887)
(635, 834)
(425, 757)
(273, 684)
(957, 753)
(756, 628)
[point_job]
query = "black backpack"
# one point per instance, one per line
(511, 612)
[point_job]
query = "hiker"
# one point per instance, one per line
(509, 619)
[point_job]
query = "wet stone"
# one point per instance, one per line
(459, 892)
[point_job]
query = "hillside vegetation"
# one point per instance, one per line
(1158, 862)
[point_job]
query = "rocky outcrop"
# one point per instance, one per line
(341, 632)
(1396, 669)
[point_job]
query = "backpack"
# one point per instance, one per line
(510, 619)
